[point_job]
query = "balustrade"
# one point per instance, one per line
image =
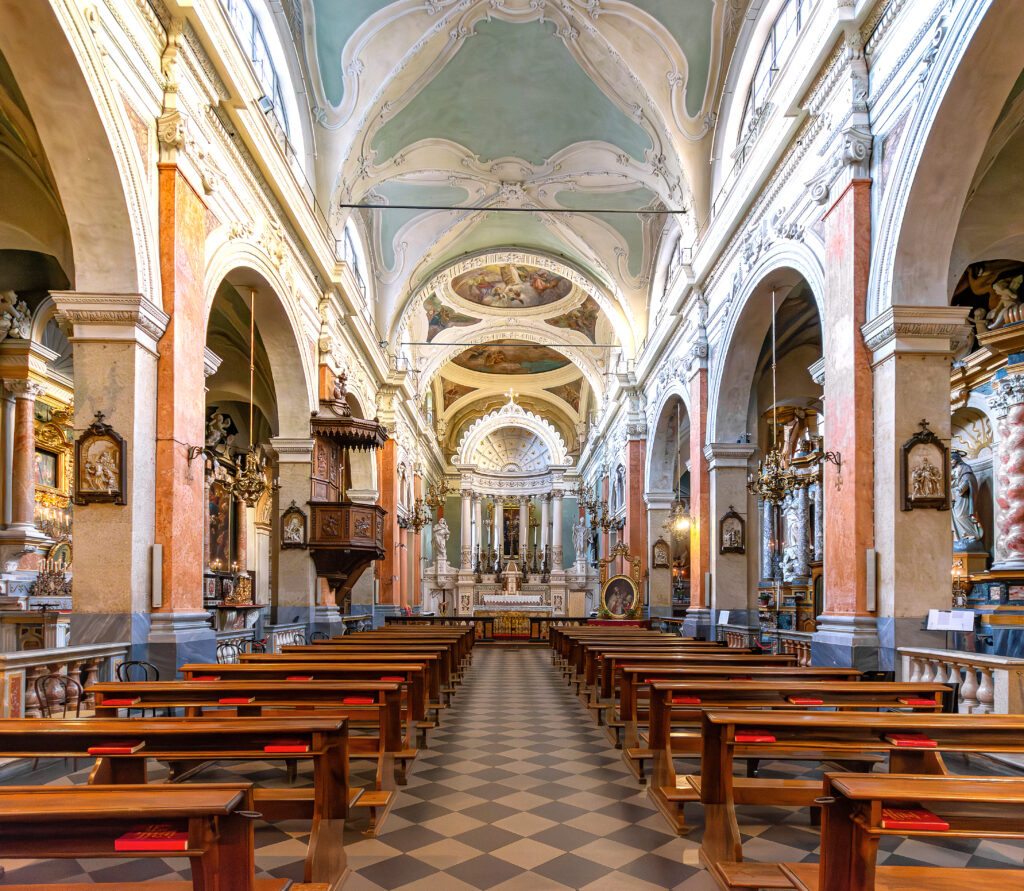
(988, 684)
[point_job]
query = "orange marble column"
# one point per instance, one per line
(635, 531)
(403, 567)
(849, 503)
(388, 568)
(700, 492)
(181, 392)
(23, 501)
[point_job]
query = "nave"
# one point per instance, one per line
(520, 789)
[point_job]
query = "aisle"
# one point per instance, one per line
(520, 790)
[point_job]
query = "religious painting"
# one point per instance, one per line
(510, 357)
(511, 286)
(452, 393)
(732, 536)
(46, 468)
(441, 317)
(993, 291)
(99, 464)
(293, 527)
(569, 393)
(924, 471)
(620, 596)
(221, 526)
(582, 319)
(510, 530)
(660, 558)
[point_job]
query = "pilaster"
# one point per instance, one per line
(295, 582)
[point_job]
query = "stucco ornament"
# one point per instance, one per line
(15, 318)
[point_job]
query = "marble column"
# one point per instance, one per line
(524, 526)
(115, 366)
(499, 525)
(295, 583)
(913, 548)
(801, 534)
(8, 456)
(700, 493)
(818, 501)
(769, 537)
(388, 595)
(403, 567)
(467, 521)
(659, 579)
(634, 533)
(1007, 403)
(24, 489)
(734, 576)
(545, 522)
(478, 526)
(556, 527)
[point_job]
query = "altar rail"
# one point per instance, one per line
(987, 683)
(484, 625)
(357, 623)
(85, 664)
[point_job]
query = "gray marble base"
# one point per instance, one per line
(290, 615)
(328, 620)
(846, 641)
(697, 623)
(380, 610)
(91, 628)
(906, 631)
(177, 638)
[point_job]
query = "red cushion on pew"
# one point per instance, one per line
(395, 678)
(121, 702)
(754, 736)
(358, 700)
(286, 745)
(685, 700)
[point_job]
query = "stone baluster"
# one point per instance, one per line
(31, 701)
(986, 692)
(952, 673)
(74, 670)
(969, 690)
(915, 670)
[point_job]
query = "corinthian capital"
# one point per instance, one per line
(23, 389)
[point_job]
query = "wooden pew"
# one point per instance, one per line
(413, 676)
(459, 639)
(669, 711)
(594, 654)
(974, 807)
(823, 737)
(181, 741)
(83, 822)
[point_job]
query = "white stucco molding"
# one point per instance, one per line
(725, 455)
(927, 330)
(111, 318)
(512, 414)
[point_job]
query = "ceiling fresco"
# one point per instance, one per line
(512, 357)
(452, 393)
(582, 319)
(441, 317)
(511, 286)
(568, 393)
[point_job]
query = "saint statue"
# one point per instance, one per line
(967, 528)
(441, 533)
(581, 535)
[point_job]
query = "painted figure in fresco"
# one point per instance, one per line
(967, 527)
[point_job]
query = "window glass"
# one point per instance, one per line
(250, 37)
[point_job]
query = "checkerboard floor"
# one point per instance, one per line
(518, 790)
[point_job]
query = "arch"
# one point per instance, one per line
(74, 106)
(658, 472)
(512, 415)
(964, 91)
(280, 327)
(734, 361)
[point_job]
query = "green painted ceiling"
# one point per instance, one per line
(628, 226)
(498, 97)
(514, 230)
(335, 22)
(410, 193)
(689, 22)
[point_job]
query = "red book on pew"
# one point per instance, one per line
(912, 818)
(236, 700)
(286, 745)
(911, 741)
(121, 702)
(909, 700)
(805, 700)
(396, 678)
(685, 700)
(358, 700)
(299, 677)
(153, 837)
(739, 679)
(206, 677)
(128, 747)
(754, 736)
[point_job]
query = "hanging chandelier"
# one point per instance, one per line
(436, 494)
(677, 526)
(774, 478)
(250, 482)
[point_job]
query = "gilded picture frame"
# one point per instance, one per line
(620, 596)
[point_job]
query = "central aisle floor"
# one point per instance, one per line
(520, 790)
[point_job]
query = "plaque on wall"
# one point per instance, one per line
(660, 558)
(293, 527)
(99, 465)
(732, 533)
(924, 471)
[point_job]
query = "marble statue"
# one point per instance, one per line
(967, 527)
(15, 318)
(441, 534)
(581, 536)
(790, 562)
(1005, 312)
(217, 429)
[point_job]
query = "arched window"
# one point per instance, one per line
(250, 35)
(776, 51)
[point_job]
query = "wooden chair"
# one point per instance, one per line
(228, 652)
(45, 684)
(144, 671)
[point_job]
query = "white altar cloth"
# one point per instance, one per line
(511, 599)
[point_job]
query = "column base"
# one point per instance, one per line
(380, 610)
(739, 619)
(847, 642)
(177, 638)
(328, 620)
(905, 631)
(697, 623)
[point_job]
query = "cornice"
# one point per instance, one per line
(915, 329)
(111, 317)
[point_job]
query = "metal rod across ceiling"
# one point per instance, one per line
(568, 210)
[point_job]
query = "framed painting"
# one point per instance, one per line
(100, 465)
(293, 527)
(620, 596)
(46, 468)
(660, 557)
(732, 534)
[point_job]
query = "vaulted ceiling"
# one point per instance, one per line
(583, 116)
